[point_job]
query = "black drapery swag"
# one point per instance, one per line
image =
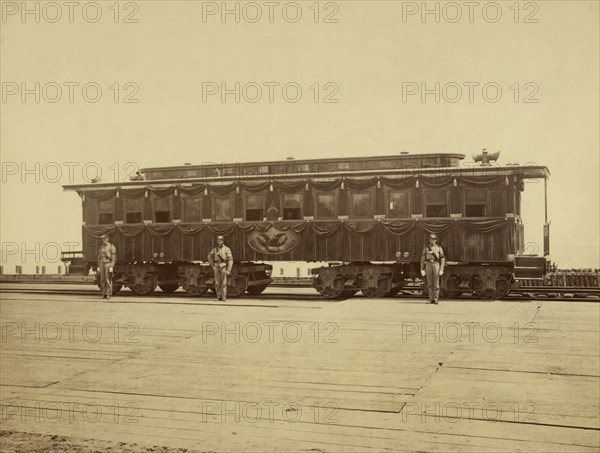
(350, 240)
(319, 228)
(434, 182)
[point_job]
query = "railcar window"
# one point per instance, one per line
(192, 210)
(162, 210)
(398, 205)
(436, 203)
(106, 212)
(292, 206)
(436, 210)
(222, 209)
(255, 207)
(476, 203)
(475, 210)
(325, 206)
(361, 205)
(133, 211)
(249, 170)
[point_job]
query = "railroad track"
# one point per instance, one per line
(87, 289)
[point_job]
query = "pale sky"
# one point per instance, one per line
(367, 61)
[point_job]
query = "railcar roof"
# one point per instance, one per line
(292, 161)
(469, 169)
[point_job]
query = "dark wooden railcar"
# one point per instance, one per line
(371, 216)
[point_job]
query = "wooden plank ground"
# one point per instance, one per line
(287, 374)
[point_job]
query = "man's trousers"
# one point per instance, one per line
(105, 279)
(432, 274)
(221, 280)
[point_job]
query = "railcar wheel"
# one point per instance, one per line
(329, 283)
(374, 292)
(331, 293)
(489, 294)
(195, 290)
(168, 287)
(486, 294)
(502, 288)
(477, 287)
(147, 287)
(381, 290)
(452, 290)
(256, 290)
(393, 291)
(237, 286)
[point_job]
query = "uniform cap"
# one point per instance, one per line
(433, 236)
(104, 236)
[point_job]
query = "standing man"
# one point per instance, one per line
(221, 259)
(107, 257)
(432, 267)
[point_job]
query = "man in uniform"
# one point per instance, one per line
(432, 267)
(221, 259)
(107, 257)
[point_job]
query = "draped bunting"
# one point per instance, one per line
(132, 230)
(360, 184)
(190, 229)
(224, 229)
(221, 189)
(399, 227)
(254, 187)
(361, 228)
(434, 182)
(160, 230)
(162, 191)
(480, 181)
(104, 195)
(98, 231)
(130, 193)
(435, 226)
(191, 191)
(289, 186)
(399, 183)
(325, 229)
(308, 240)
(326, 186)
(356, 240)
(320, 228)
(295, 226)
(482, 226)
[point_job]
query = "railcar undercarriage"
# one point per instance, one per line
(486, 280)
(195, 279)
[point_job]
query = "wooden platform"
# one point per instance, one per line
(284, 375)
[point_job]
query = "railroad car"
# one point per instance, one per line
(367, 217)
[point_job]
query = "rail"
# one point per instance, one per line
(306, 282)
